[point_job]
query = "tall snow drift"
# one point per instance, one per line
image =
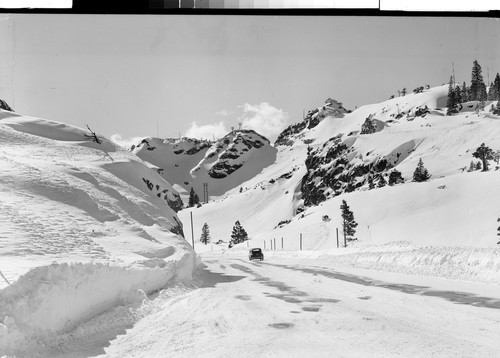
(85, 226)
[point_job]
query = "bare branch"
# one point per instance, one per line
(93, 136)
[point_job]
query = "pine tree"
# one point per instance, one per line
(478, 166)
(238, 235)
(452, 101)
(465, 93)
(348, 222)
(484, 153)
(477, 86)
(194, 199)
(494, 91)
(458, 95)
(420, 174)
(404, 92)
(205, 234)
(472, 166)
(395, 177)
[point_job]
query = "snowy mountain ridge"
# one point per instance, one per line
(188, 163)
(336, 158)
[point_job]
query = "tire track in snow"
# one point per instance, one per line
(452, 296)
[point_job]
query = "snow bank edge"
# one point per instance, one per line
(56, 298)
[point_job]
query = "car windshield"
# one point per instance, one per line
(255, 251)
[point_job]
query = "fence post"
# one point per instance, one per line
(281, 243)
(274, 244)
(337, 229)
(300, 241)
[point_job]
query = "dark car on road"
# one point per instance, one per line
(255, 254)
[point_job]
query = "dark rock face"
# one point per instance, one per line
(313, 118)
(284, 137)
(177, 229)
(197, 148)
(5, 106)
(175, 204)
(233, 146)
(331, 173)
(222, 169)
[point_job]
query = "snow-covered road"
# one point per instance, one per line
(283, 308)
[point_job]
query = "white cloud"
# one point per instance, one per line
(207, 131)
(125, 142)
(264, 119)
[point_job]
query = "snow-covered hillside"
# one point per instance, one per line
(85, 226)
(223, 165)
(320, 165)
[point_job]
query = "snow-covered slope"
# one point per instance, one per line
(223, 165)
(319, 165)
(85, 226)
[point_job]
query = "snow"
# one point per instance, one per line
(445, 227)
(191, 170)
(91, 262)
(284, 307)
(80, 231)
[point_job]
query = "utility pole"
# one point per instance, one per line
(205, 192)
(192, 232)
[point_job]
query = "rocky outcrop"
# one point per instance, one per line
(171, 197)
(232, 149)
(331, 108)
(5, 106)
(336, 168)
(187, 146)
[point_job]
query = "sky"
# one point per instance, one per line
(131, 76)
